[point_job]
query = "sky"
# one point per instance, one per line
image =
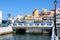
(24, 7)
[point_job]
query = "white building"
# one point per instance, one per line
(58, 17)
(0, 18)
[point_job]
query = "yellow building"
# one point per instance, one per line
(36, 13)
(35, 17)
(26, 16)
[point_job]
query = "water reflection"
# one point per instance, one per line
(24, 37)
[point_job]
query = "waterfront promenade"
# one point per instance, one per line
(58, 33)
(5, 30)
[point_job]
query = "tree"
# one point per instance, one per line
(8, 20)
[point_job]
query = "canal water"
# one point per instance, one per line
(25, 37)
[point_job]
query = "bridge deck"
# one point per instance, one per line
(44, 27)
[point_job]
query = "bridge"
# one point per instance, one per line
(35, 27)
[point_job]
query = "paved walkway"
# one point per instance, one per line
(58, 33)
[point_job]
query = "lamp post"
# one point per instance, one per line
(55, 3)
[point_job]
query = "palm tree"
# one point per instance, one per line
(8, 15)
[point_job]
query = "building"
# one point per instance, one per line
(35, 17)
(36, 13)
(57, 14)
(49, 16)
(44, 15)
(0, 18)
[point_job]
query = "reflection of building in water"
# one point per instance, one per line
(0, 18)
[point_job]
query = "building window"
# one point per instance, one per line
(59, 10)
(57, 24)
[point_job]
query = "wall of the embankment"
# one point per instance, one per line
(5, 30)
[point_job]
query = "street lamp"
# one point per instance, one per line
(55, 3)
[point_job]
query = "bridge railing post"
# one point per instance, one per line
(23, 24)
(53, 33)
(17, 25)
(28, 25)
(34, 24)
(11, 24)
(39, 24)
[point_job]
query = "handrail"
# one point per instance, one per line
(33, 24)
(54, 37)
(53, 33)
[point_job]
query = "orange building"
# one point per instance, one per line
(43, 16)
(57, 10)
